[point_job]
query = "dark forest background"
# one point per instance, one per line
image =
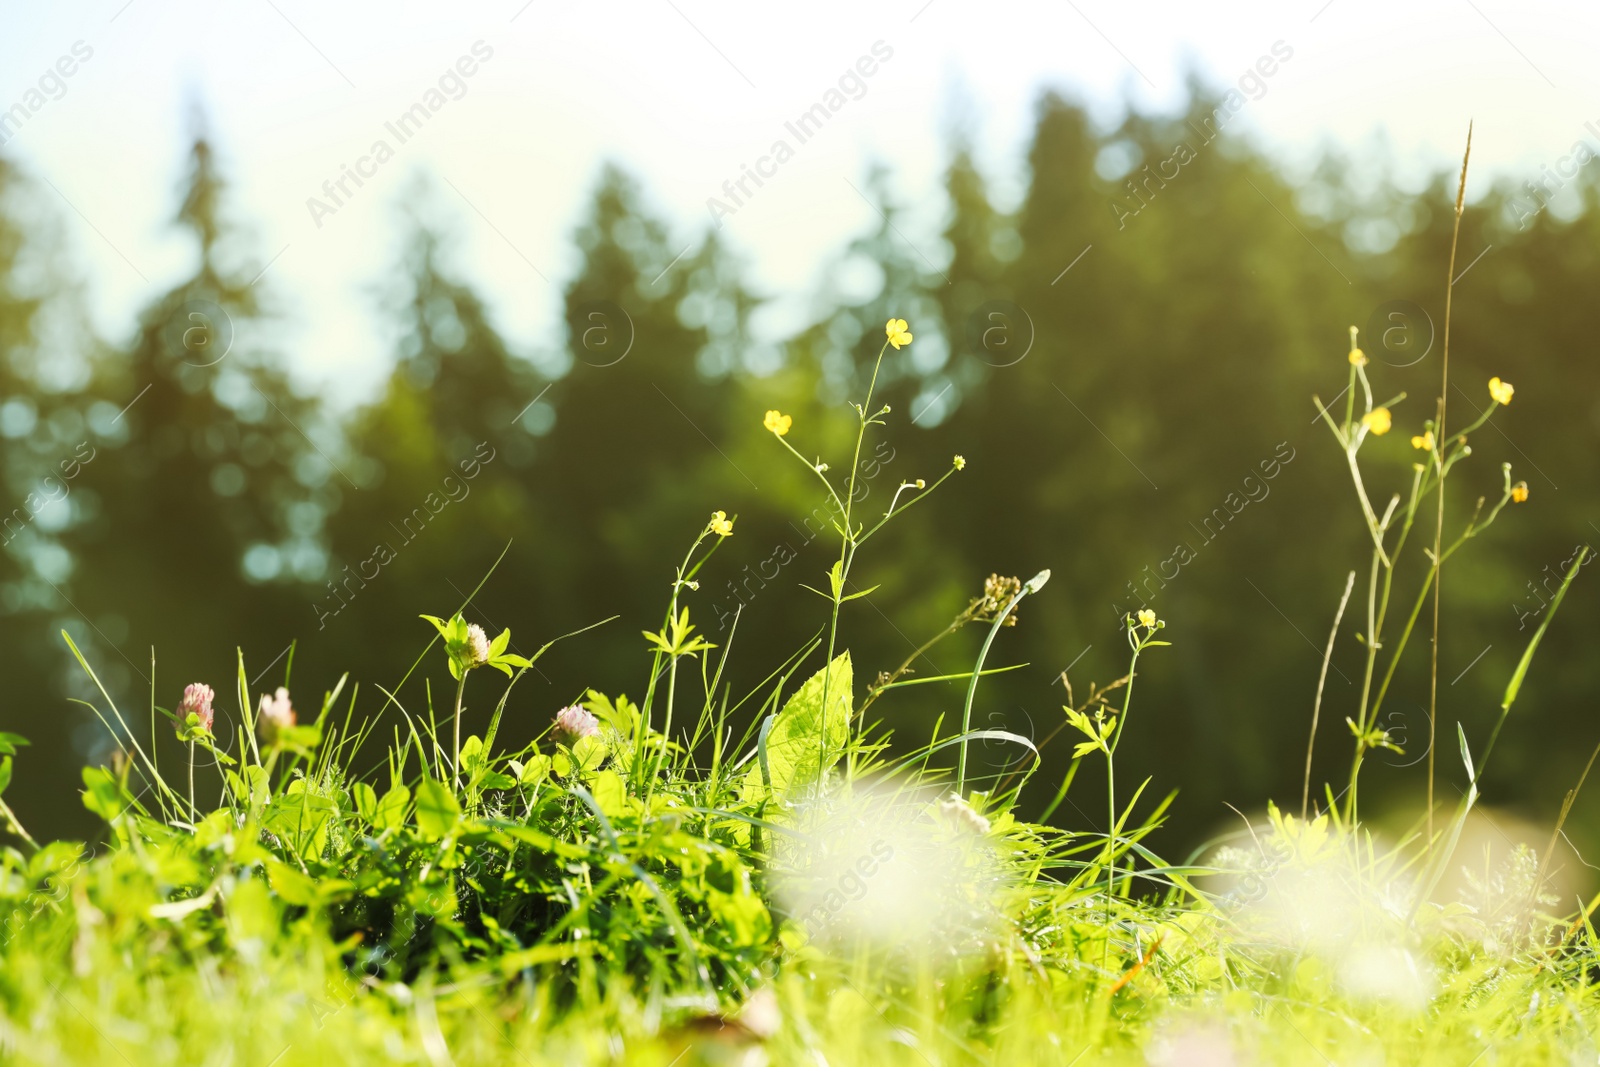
(1105, 412)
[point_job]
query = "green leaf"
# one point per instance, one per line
(806, 739)
(437, 809)
(588, 753)
(104, 795)
(610, 794)
(536, 770)
(1515, 685)
(5, 773)
(10, 742)
(366, 799)
(391, 812)
(296, 887)
(735, 906)
(301, 819)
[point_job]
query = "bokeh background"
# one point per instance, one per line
(307, 313)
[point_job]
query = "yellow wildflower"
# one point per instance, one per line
(1147, 618)
(896, 331)
(777, 422)
(1358, 358)
(1501, 391)
(721, 525)
(1378, 420)
(960, 462)
(1425, 441)
(1519, 492)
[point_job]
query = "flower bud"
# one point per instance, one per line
(196, 700)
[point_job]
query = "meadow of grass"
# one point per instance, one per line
(705, 876)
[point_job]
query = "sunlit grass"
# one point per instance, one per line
(712, 876)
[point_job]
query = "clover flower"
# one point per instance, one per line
(275, 713)
(960, 814)
(777, 422)
(196, 701)
(1378, 420)
(1519, 493)
(960, 462)
(895, 329)
(576, 721)
(721, 525)
(477, 650)
(1501, 391)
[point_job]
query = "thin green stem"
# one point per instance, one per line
(1438, 529)
(972, 689)
(846, 558)
(461, 688)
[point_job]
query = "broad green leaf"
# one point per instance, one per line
(296, 887)
(300, 818)
(391, 811)
(536, 770)
(437, 809)
(806, 739)
(103, 794)
(366, 800)
(589, 752)
(610, 794)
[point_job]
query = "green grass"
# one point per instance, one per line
(708, 876)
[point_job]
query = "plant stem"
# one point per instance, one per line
(1438, 529)
(461, 688)
(972, 689)
(15, 825)
(846, 558)
(1322, 679)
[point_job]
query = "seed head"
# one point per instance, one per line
(477, 646)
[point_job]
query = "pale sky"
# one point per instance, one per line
(685, 93)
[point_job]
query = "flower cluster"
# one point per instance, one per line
(196, 703)
(997, 593)
(577, 721)
(275, 713)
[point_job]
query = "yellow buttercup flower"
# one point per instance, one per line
(721, 525)
(1147, 619)
(1358, 358)
(1425, 441)
(960, 462)
(1378, 420)
(1519, 492)
(1501, 391)
(896, 331)
(777, 422)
